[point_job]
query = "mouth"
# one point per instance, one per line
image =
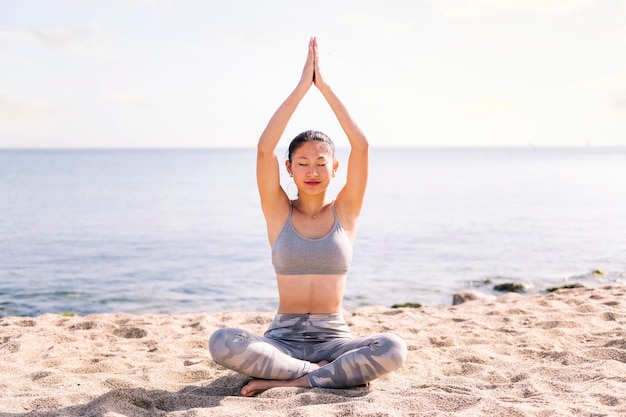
(312, 183)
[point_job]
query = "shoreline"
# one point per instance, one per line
(561, 353)
(484, 289)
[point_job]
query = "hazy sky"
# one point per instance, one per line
(139, 73)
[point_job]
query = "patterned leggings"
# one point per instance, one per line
(294, 341)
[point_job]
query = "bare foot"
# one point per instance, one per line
(257, 386)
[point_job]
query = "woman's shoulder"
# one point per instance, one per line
(347, 215)
(276, 218)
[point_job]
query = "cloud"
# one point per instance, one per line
(133, 99)
(620, 103)
(465, 9)
(383, 23)
(609, 87)
(12, 60)
(620, 31)
(605, 84)
(20, 116)
(85, 40)
(492, 105)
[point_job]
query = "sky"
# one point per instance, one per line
(208, 73)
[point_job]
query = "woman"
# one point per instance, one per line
(309, 344)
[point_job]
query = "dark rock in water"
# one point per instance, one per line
(519, 287)
(564, 287)
(407, 305)
(463, 296)
(479, 283)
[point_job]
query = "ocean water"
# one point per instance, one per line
(174, 231)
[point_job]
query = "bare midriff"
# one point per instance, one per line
(311, 294)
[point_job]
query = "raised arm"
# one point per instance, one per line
(274, 200)
(350, 199)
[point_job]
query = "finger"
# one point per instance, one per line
(314, 49)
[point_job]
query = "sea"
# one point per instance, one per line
(181, 231)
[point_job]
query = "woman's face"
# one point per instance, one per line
(312, 167)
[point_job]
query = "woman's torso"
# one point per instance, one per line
(311, 257)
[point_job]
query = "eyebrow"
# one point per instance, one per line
(306, 157)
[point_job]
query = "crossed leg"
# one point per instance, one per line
(353, 361)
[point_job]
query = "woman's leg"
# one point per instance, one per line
(255, 356)
(357, 361)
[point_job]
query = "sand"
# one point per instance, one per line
(558, 354)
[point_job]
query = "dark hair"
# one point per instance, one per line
(308, 136)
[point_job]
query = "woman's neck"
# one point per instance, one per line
(311, 207)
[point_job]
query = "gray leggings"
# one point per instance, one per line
(294, 341)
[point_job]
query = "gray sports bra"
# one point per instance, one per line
(293, 254)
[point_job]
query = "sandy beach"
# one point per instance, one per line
(558, 354)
